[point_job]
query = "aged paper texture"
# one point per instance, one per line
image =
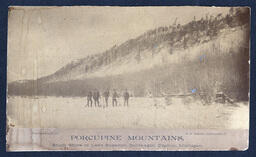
(128, 78)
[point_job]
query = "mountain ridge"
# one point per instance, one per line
(172, 59)
(174, 36)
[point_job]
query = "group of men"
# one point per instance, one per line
(95, 96)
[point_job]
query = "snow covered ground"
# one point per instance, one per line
(60, 112)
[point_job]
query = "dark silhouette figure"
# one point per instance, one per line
(96, 97)
(106, 95)
(126, 98)
(114, 98)
(89, 99)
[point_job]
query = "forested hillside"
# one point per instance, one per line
(208, 54)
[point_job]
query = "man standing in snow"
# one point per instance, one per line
(114, 98)
(96, 97)
(126, 98)
(89, 99)
(106, 95)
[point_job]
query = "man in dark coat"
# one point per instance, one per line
(106, 95)
(126, 98)
(89, 99)
(96, 97)
(114, 98)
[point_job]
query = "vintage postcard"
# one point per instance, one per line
(128, 78)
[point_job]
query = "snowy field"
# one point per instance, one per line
(59, 112)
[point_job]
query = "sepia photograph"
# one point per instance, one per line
(101, 74)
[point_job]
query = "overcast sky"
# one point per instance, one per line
(42, 40)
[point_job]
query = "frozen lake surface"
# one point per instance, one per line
(60, 112)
